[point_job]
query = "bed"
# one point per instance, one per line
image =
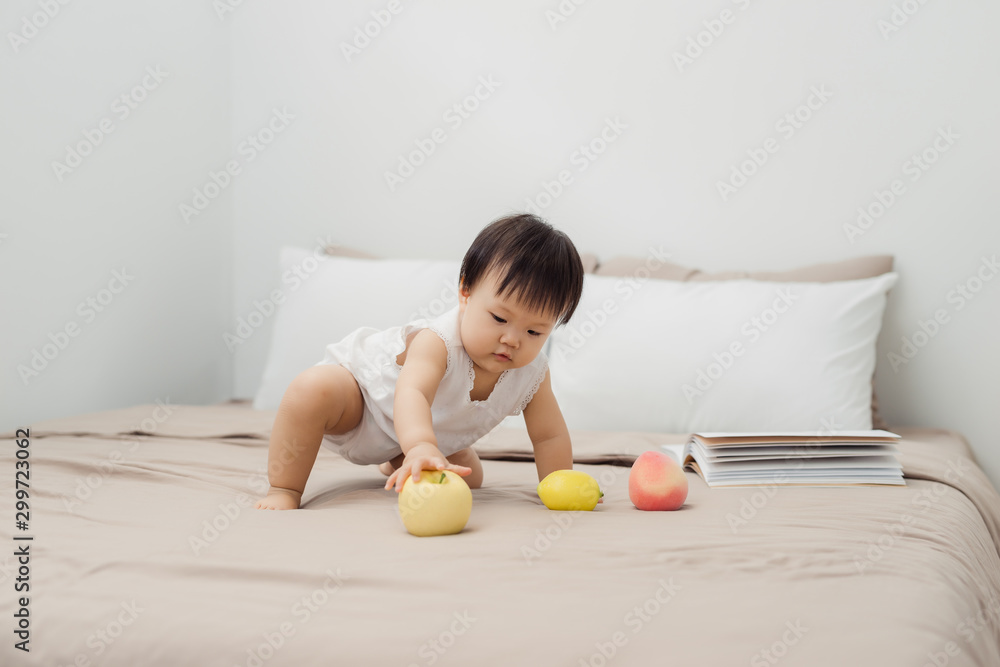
(147, 551)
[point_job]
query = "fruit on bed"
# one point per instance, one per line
(569, 490)
(439, 504)
(657, 482)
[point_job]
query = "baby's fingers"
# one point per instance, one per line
(405, 472)
(398, 477)
(459, 470)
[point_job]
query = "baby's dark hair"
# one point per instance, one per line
(536, 264)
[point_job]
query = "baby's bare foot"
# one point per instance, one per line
(279, 499)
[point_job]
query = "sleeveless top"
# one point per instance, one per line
(458, 421)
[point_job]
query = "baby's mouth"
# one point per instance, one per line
(501, 357)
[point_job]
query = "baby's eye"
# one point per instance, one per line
(534, 333)
(499, 319)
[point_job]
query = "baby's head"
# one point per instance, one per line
(519, 280)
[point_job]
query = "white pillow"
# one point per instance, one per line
(327, 298)
(742, 355)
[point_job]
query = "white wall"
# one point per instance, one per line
(656, 184)
(63, 240)
(322, 174)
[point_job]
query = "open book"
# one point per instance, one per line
(831, 458)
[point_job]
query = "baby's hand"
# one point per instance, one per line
(423, 457)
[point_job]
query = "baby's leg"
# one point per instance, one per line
(389, 466)
(321, 399)
(469, 458)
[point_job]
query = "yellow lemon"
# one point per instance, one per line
(569, 490)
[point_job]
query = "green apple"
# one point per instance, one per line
(438, 504)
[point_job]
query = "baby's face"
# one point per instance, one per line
(498, 333)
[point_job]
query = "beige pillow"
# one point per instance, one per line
(344, 251)
(856, 268)
(589, 260)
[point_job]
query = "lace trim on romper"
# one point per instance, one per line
(472, 383)
(447, 344)
(400, 345)
(534, 387)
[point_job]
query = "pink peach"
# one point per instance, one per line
(657, 482)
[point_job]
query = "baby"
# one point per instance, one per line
(416, 397)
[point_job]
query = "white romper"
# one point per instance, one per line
(457, 420)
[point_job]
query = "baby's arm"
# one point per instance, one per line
(424, 365)
(548, 432)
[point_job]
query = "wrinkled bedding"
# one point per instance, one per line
(147, 551)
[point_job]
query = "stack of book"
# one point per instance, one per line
(830, 458)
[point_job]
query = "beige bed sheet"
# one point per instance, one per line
(147, 552)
